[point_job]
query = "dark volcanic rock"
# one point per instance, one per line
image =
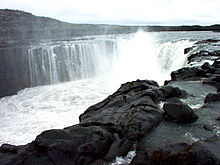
(178, 111)
(212, 97)
(106, 130)
(187, 50)
(216, 64)
(20, 30)
(207, 41)
(192, 73)
(214, 80)
(164, 144)
(209, 127)
(199, 153)
(132, 108)
(170, 92)
(73, 145)
(204, 55)
(14, 74)
(209, 69)
(111, 127)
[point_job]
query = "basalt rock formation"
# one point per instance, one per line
(132, 118)
(106, 130)
(139, 116)
(20, 30)
(167, 147)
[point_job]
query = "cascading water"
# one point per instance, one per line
(122, 58)
(69, 61)
(144, 56)
(98, 66)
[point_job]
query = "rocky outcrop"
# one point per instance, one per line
(199, 153)
(131, 118)
(20, 31)
(192, 73)
(167, 147)
(212, 97)
(204, 55)
(14, 70)
(106, 130)
(22, 27)
(208, 73)
(178, 111)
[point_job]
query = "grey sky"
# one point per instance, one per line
(148, 12)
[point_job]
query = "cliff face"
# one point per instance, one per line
(19, 25)
(133, 118)
(19, 30)
(13, 70)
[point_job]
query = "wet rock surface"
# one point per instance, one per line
(203, 152)
(177, 111)
(20, 31)
(198, 141)
(106, 130)
(133, 118)
(132, 115)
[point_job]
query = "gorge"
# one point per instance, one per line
(79, 66)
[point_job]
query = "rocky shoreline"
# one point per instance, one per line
(155, 121)
(140, 116)
(20, 30)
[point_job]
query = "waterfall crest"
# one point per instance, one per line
(102, 63)
(122, 58)
(70, 61)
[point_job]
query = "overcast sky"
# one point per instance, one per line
(147, 12)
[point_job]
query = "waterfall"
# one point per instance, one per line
(144, 56)
(68, 61)
(119, 58)
(94, 68)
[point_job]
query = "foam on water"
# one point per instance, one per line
(120, 59)
(144, 56)
(125, 160)
(32, 110)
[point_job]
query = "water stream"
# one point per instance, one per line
(69, 76)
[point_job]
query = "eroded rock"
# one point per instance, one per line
(178, 111)
(199, 153)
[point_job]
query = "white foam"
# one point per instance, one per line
(137, 56)
(33, 110)
(125, 160)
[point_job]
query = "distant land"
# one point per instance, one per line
(18, 25)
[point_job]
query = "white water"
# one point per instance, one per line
(102, 64)
(143, 56)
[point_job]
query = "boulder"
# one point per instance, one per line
(107, 129)
(216, 64)
(214, 80)
(178, 111)
(209, 127)
(199, 153)
(192, 73)
(73, 145)
(207, 41)
(212, 97)
(187, 50)
(170, 92)
(209, 69)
